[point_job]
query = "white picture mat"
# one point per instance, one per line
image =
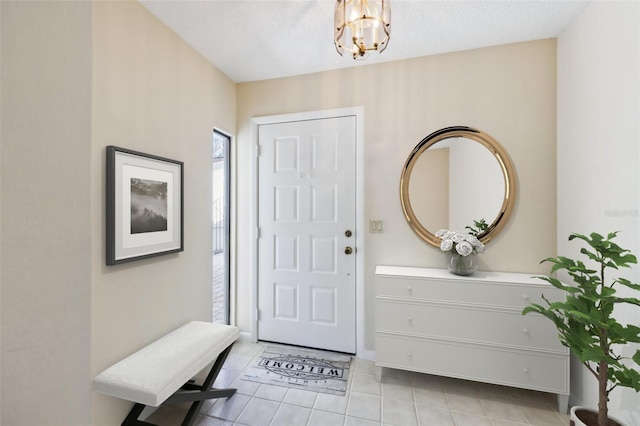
(136, 240)
(129, 166)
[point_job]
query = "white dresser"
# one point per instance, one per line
(431, 321)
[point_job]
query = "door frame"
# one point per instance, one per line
(229, 225)
(358, 113)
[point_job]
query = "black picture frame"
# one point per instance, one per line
(144, 205)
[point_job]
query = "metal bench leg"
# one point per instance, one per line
(132, 417)
(190, 392)
(191, 416)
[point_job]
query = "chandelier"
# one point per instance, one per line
(362, 26)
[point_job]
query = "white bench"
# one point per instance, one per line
(162, 371)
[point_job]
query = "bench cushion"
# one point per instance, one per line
(156, 371)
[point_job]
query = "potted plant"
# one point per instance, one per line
(585, 320)
(460, 249)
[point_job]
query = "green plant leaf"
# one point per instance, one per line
(607, 292)
(628, 283)
(630, 334)
(627, 377)
(532, 308)
(629, 300)
(585, 320)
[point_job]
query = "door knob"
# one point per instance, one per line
(348, 250)
(348, 233)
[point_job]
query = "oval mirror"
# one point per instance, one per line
(454, 177)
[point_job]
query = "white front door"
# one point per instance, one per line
(307, 217)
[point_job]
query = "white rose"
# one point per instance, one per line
(441, 233)
(449, 234)
(457, 238)
(464, 248)
(446, 245)
(472, 239)
(475, 242)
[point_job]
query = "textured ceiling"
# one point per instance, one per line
(253, 40)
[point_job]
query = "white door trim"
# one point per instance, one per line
(358, 112)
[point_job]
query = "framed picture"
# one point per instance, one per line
(144, 206)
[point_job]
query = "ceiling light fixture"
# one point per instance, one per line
(362, 26)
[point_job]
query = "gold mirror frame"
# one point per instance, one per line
(500, 154)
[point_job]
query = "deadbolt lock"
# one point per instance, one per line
(348, 250)
(348, 233)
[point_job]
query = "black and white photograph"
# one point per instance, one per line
(144, 205)
(148, 206)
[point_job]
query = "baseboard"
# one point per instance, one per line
(245, 337)
(366, 354)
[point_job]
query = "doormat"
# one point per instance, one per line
(300, 368)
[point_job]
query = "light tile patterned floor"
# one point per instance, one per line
(401, 399)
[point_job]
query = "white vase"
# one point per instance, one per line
(461, 265)
(574, 420)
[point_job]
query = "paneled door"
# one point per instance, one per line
(307, 208)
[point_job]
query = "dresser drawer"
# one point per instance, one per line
(531, 370)
(503, 327)
(467, 290)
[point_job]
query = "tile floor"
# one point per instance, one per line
(401, 399)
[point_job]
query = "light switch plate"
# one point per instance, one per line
(375, 226)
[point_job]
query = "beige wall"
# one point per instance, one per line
(78, 76)
(599, 154)
(508, 91)
(151, 93)
(46, 212)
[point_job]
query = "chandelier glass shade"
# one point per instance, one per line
(362, 26)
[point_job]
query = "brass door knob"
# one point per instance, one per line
(348, 250)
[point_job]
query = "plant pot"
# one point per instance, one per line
(581, 416)
(461, 265)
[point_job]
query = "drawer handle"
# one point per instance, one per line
(409, 354)
(526, 370)
(525, 331)
(525, 296)
(409, 289)
(409, 319)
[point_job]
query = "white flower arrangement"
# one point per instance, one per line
(463, 244)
